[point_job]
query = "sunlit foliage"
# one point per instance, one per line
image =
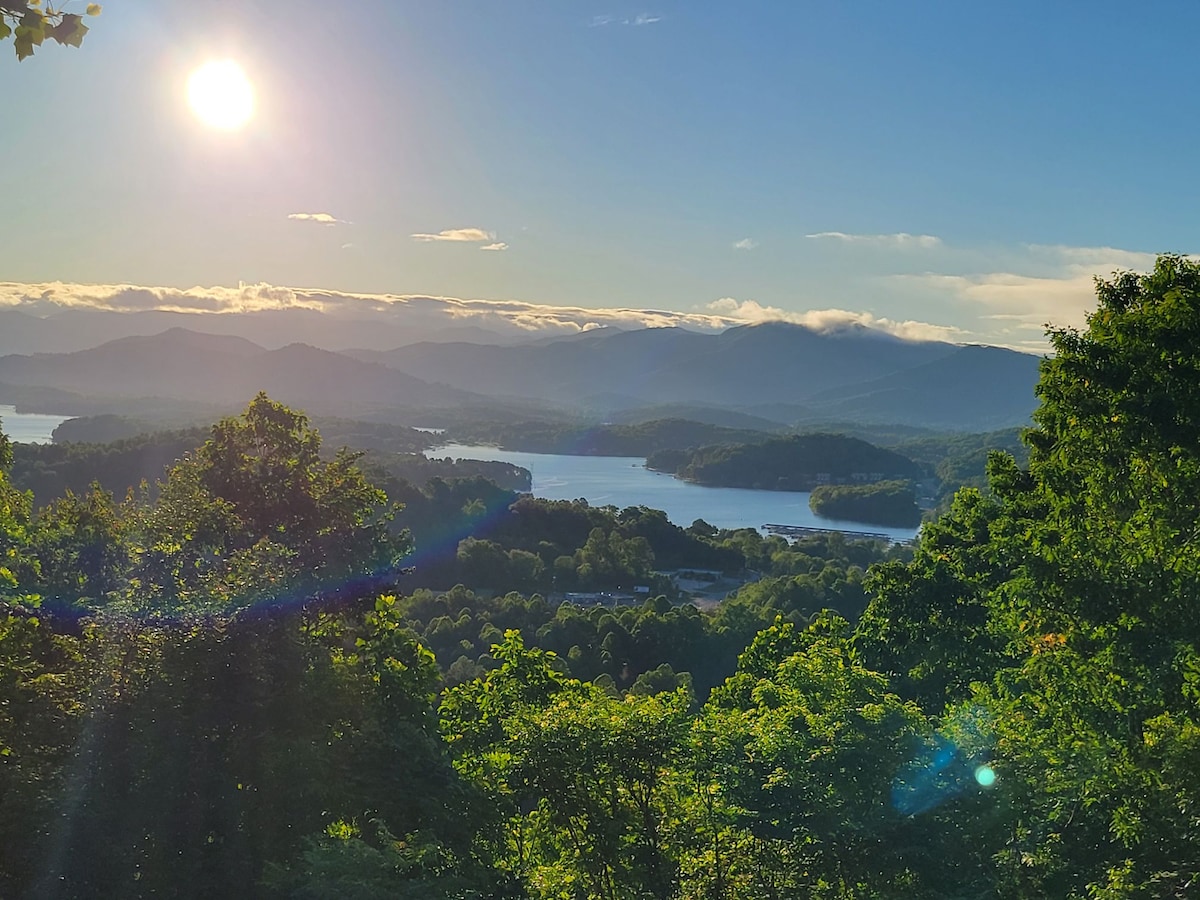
(216, 688)
(31, 22)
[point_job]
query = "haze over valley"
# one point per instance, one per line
(783, 373)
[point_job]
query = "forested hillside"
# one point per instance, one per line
(882, 503)
(795, 463)
(843, 373)
(231, 686)
(81, 456)
(640, 439)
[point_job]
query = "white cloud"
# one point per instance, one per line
(501, 315)
(1054, 284)
(467, 235)
(1007, 303)
(900, 239)
(499, 245)
(639, 19)
(1104, 260)
(536, 317)
(52, 296)
(833, 320)
(506, 316)
(745, 244)
(319, 218)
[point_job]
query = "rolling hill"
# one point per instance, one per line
(191, 366)
(974, 387)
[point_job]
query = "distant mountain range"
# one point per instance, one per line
(80, 329)
(773, 372)
(989, 387)
(753, 364)
(218, 369)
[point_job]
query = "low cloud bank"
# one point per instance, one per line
(510, 317)
(827, 321)
(1050, 284)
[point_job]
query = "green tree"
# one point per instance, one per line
(43, 682)
(583, 779)
(483, 563)
(235, 695)
(607, 559)
(929, 624)
(1058, 609)
(78, 543)
(257, 515)
(805, 745)
(1099, 710)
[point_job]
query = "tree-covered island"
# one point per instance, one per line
(891, 503)
(796, 463)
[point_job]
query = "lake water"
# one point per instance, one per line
(28, 428)
(623, 481)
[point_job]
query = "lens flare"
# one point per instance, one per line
(985, 776)
(946, 765)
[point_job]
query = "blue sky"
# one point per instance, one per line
(949, 164)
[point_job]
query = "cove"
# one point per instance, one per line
(623, 481)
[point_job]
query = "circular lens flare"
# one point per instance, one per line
(221, 95)
(986, 776)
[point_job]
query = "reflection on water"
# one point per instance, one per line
(28, 428)
(624, 481)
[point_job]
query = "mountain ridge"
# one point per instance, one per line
(852, 375)
(196, 366)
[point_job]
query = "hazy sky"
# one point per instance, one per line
(963, 164)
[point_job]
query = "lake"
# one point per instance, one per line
(28, 428)
(623, 481)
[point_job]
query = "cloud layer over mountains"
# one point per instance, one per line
(425, 315)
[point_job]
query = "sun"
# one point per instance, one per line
(221, 95)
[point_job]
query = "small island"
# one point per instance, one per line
(890, 503)
(801, 462)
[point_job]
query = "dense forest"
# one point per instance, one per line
(49, 470)
(639, 439)
(335, 432)
(881, 503)
(227, 685)
(798, 462)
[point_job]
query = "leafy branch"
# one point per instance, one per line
(29, 24)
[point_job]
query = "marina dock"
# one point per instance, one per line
(797, 531)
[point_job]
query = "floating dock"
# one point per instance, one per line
(794, 531)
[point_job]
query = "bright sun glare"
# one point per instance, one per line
(221, 95)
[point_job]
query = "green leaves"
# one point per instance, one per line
(582, 777)
(256, 515)
(70, 30)
(1061, 605)
(25, 40)
(803, 745)
(29, 25)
